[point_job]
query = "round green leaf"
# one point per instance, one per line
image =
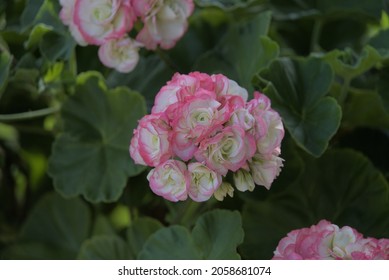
(218, 234)
(140, 231)
(91, 156)
(229, 5)
(342, 186)
(109, 247)
(297, 88)
(172, 243)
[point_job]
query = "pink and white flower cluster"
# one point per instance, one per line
(106, 23)
(202, 127)
(326, 241)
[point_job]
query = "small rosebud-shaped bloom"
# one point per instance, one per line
(326, 241)
(66, 15)
(170, 180)
(225, 86)
(168, 94)
(269, 143)
(243, 180)
(227, 150)
(244, 119)
(150, 143)
(265, 169)
(120, 54)
(101, 20)
(196, 120)
(165, 21)
(224, 190)
(203, 182)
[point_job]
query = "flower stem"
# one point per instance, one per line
(316, 32)
(28, 115)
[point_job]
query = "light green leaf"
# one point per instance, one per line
(218, 233)
(242, 52)
(36, 35)
(348, 65)
(109, 247)
(91, 156)
(342, 186)
(297, 88)
(140, 231)
(171, 243)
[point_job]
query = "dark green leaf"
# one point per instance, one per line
(55, 229)
(140, 231)
(148, 77)
(295, 9)
(110, 247)
(91, 156)
(5, 66)
(357, 113)
(218, 233)
(56, 46)
(342, 187)
(172, 243)
(37, 34)
(297, 88)
(229, 5)
(383, 85)
(242, 52)
(42, 11)
(102, 226)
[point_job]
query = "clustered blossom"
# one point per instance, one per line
(107, 23)
(326, 241)
(201, 128)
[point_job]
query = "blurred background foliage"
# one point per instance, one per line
(68, 188)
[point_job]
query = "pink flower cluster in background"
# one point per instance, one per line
(202, 127)
(326, 241)
(106, 23)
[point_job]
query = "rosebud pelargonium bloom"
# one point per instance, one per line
(203, 181)
(165, 21)
(150, 144)
(170, 180)
(206, 123)
(326, 241)
(120, 54)
(101, 20)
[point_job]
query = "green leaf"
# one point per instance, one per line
(342, 186)
(229, 5)
(140, 231)
(297, 88)
(56, 46)
(91, 156)
(5, 66)
(242, 52)
(356, 113)
(41, 11)
(296, 9)
(383, 85)
(218, 233)
(150, 75)
(348, 65)
(110, 247)
(37, 34)
(55, 229)
(171, 243)
(381, 43)
(102, 226)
